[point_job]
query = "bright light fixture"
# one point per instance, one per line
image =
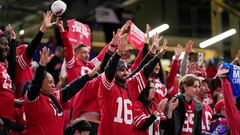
(21, 32)
(217, 38)
(159, 29)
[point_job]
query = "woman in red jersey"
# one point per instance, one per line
(43, 105)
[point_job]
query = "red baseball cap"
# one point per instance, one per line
(219, 105)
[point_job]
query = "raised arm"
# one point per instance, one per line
(233, 114)
(30, 50)
(149, 55)
(174, 68)
(75, 86)
(36, 83)
(184, 63)
(143, 52)
(12, 54)
(148, 68)
(113, 63)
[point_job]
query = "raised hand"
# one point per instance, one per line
(178, 51)
(47, 21)
(123, 44)
(94, 71)
(164, 47)
(148, 28)
(12, 32)
(125, 27)
(116, 38)
(172, 105)
(155, 43)
(188, 46)
(222, 72)
(44, 56)
(59, 24)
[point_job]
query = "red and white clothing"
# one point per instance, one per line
(78, 68)
(42, 116)
(207, 113)
(6, 94)
(116, 104)
(23, 73)
(189, 119)
(86, 100)
(140, 115)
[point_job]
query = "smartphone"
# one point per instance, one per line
(200, 59)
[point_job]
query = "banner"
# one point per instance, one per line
(136, 37)
(233, 77)
(79, 33)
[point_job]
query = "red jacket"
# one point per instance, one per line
(233, 114)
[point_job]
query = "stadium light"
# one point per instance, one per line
(159, 29)
(217, 38)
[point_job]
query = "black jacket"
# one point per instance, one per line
(174, 125)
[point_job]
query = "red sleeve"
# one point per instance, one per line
(107, 84)
(136, 84)
(97, 60)
(68, 49)
(233, 115)
(172, 74)
(137, 61)
(139, 116)
(23, 61)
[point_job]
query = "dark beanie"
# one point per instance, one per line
(81, 125)
(121, 65)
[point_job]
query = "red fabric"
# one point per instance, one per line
(136, 37)
(211, 71)
(42, 117)
(189, 119)
(233, 114)
(6, 94)
(161, 90)
(24, 73)
(171, 77)
(21, 48)
(79, 33)
(78, 68)
(137, 61)
(219, 105)
(116, 104)
(207, 113)
(87, 100)
(140, 115)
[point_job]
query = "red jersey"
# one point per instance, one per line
(140, 115)
(86, 100)
(42, 116)
(6, 94)
(161, 90)
(207, 113)
(78, 68)
(116, 104)
(189, 119)
(23, 73)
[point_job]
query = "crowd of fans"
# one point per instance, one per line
(66, 93)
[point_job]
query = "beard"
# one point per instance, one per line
(121, 79)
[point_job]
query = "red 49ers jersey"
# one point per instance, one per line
(6, 94)
(42, 116)
(116, 104)
(23, 73)
(207, 113)
(189, 119)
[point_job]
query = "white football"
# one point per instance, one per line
(58, 7)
